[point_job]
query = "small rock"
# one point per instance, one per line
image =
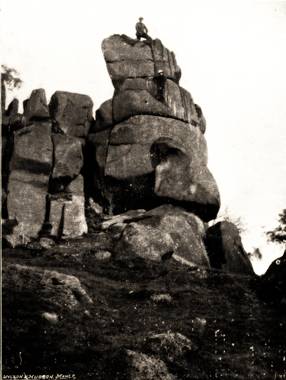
(170, 346)
(102, 255)
(138, 366)
(95, 206)
(46, 243)
(161, 298)
(50, 317)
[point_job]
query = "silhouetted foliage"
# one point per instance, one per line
(278, 235)
(256, 254)
(9, 80)
(9, 77)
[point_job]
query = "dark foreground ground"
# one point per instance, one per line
(133, 320)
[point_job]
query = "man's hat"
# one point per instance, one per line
(140, 18)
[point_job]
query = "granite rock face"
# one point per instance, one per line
(72, 113)
(128, 58)
(67, 216)
(147, 142)
(225, 249)
(30, 167)
(36, 107)
(145, 150)
(42, 180)
(68, 157)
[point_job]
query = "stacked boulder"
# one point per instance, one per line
(148, 142)
(45, 187)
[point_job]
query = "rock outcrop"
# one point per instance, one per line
(42, 167)
(113, 271)
(148, 140)
(145, 150)
(225, 249)
(28, 182)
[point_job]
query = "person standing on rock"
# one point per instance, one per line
(141, 30)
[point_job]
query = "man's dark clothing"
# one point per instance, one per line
(141, 31)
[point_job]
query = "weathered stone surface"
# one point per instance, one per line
(133, 102)
(36, 107)
(72, 112)
(139, 366)
(103, 117)
(171, 346)
(98, 143)
(68, 156)
(13, 108)
(26, 203)
(146, 242)
(57, 290)
(128, 58)
(139, 98)
(33, 149)
(162, 233)
(129, 216)
(173, 152)
(225, 249)
(67, 216)
(30, 168)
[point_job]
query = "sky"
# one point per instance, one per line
(233, 60)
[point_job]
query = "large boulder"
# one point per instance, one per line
(146, 147)
(162, 233)
(58, 291)
(154, 159)
(128, 58)
(26, 202)
(36, 107)
(72, 113)
(33, 149)
(103, 117)
(30, 167)
(225, 249)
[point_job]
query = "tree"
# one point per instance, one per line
(9, 80)
(278, 235)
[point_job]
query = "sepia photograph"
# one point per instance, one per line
(143, 189)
